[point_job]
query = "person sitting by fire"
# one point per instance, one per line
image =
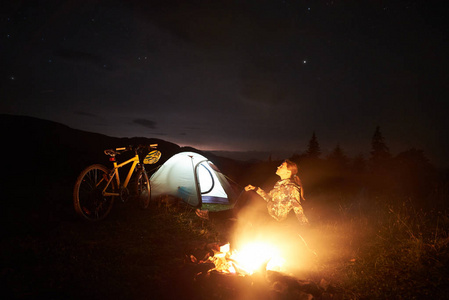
(285, 196)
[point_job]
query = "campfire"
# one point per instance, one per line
(252, 257)
(255, 269)
(256, 251)
(261, 261)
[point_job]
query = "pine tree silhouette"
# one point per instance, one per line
(379, 150)
(337, 158)
(313, 150)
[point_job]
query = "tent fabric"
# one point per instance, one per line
(193, 178)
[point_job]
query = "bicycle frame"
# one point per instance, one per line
(115, 173)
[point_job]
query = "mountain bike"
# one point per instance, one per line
(97, 186)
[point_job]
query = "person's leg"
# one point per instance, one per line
(221, 214)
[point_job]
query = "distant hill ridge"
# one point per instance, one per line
(16, 128)
(44, 146)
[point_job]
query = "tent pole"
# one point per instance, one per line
(197, 187)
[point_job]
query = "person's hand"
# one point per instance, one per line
(250, 188)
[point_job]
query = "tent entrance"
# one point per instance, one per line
(208, 184)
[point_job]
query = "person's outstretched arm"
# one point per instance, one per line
(258, 190)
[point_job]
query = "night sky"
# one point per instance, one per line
(233, 75)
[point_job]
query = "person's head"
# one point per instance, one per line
(287, 169)
(292, 167)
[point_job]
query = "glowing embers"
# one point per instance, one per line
(250, 258)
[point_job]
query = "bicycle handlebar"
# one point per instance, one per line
(117, 151)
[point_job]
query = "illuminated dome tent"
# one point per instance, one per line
(193, 178)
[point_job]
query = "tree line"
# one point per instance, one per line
(409, 174)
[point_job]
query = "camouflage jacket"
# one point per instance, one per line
(285, 196)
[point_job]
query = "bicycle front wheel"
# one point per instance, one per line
(142, 189)
(88, 198)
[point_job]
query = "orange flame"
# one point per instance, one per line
(250, 258)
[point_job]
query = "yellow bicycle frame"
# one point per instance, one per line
(115, 173)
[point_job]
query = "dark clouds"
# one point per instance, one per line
(146, 123)
(83, 113)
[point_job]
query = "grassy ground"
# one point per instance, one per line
(363, 251)
(386, 250)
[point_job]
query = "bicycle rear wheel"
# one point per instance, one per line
(88, 200)
(142, 189)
